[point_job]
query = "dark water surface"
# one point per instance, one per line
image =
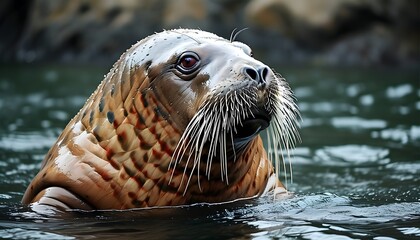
(356, 175)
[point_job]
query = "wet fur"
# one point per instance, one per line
(98, 161)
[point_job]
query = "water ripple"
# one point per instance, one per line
(351, 155)
(19, 233)
(399, 91)
(26, 141)
(357, 122)
(334, 212)
(400, 134)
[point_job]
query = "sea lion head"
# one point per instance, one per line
(217, 94)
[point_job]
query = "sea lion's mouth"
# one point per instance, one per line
(250, 128)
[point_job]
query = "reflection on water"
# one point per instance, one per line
(310, 216)
(355, 175)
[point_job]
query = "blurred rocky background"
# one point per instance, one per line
(324, 32)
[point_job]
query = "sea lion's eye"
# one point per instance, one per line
(188, 62)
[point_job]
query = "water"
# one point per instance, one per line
(356, 175)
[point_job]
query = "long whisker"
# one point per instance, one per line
(284, 128)
(232, 39)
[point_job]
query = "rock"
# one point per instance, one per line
(86, 31)
(333, 32)
(344, 31)
(377, 46)
(184, 12)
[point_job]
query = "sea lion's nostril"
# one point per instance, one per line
(252, 73)
(263, 72)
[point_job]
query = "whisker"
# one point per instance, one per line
(212, 129)
(232, 39)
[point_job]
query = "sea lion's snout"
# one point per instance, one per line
(258, 74)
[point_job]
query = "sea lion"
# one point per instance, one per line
(176, 121)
